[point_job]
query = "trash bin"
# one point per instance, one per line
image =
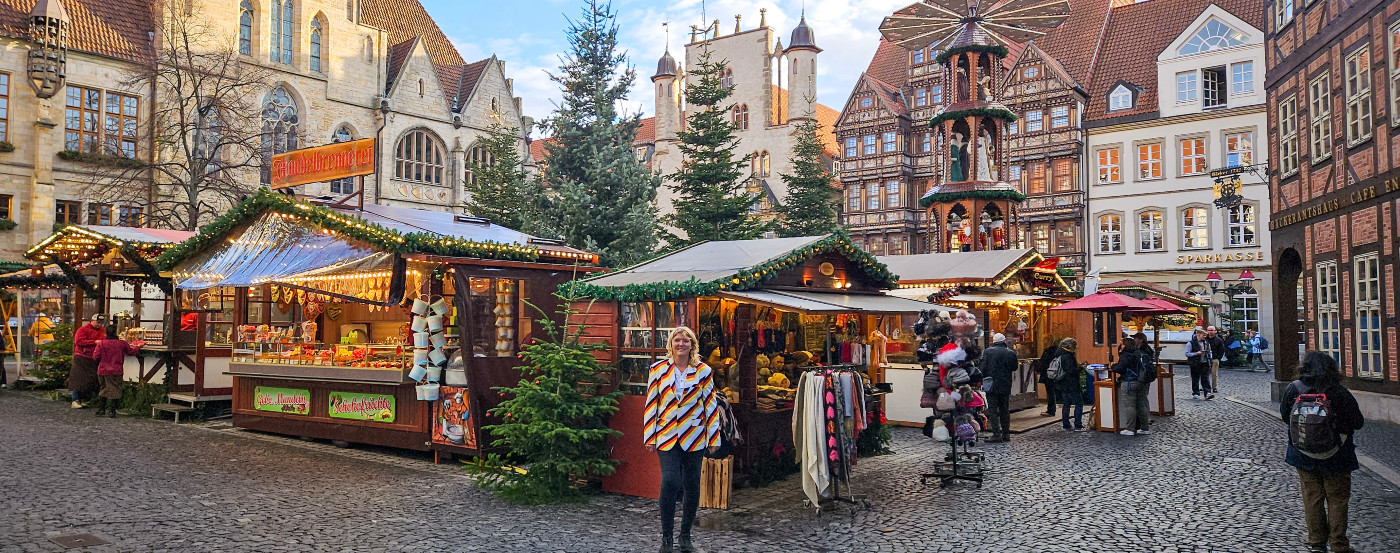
(1161, 395)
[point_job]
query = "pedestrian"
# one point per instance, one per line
(1325, 482)
(1132, 387)
(1045, 357)
(1218, 352)
(111, 358)
(679, 423)
(998, 366)
(41, 330)
(1198, 356)
(1069, 386)
(82, 372)
(1255, 345)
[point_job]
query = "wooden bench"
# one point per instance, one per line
(173, 408)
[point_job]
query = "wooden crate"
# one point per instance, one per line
(716, 482)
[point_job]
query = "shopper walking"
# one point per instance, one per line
(1218, 352)
(998, 365)
(1198, 356)
(1325, 479)
(679, 423)
(1255, 345)
(1045, 357)
(1132, 387)
(82, 372)
(1069, 387)
(111, 357)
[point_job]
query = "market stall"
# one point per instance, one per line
(377, 324)
(1170, 333)
(1011, 291)
(764, 311)
(40, 295)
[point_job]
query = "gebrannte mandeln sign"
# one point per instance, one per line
(323, 163)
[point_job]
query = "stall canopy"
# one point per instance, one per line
(76, 245)
(706, 261)
(1143, 290)
(991, 268)
(819, 302)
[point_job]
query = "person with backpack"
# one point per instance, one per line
(1051, 351)
(1065, 374)
(998, 364)
(1256, 345)
(1218, 352)
(680, 422)
(1198, 357)
(1322, 418)
(1133, 379)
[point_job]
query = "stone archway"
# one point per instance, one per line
(1287, 330)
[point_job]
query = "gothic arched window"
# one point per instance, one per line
(419, 158)
(347, 184)
(245, 28)
(741, 117)
(282, 31)
(316, 32)
(280, 127)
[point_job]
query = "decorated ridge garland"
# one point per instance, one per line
(744, 279)
(942, 197)
(27, 282)
(999, 113)
(994, 49)
(132, 249)
(353, 227)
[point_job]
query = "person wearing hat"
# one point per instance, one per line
(998, 364)
(1069, 389)
(82, 374)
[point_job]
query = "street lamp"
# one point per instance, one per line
(1245, 285)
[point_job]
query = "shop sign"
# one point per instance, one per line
(1324, 207)
(452, 418)
(291, 401)
(362, 407)
(1220, 257)
(1044, 273)
(323, 163)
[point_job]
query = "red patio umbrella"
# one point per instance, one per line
(1106, 301)
(1161, 307)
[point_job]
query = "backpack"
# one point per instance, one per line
(1053, 372)
(728, 429)
(1263, 343)
(1310, 425)
(1148, 371)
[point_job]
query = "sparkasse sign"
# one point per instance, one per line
(323, 163)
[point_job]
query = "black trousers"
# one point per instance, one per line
(1049, 396)
(1200, 379)
(999, 413)
(680, 480)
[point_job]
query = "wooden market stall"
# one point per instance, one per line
(763, 310)
(1011, 291)
(372, 324)
(110, 271)
(1174, 334)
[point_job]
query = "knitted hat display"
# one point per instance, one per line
(951, 355)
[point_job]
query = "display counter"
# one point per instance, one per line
(363, 405)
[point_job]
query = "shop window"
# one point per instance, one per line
(1193, 156)
(1151, 231)
(1288, 136)
(1243, 226)
(496, 310)
(99, 214)
(1149, 161)
(1109, 166)
(4, 106)
(1320, 118)
(83, 107)
(1247, 314)
(645, 329)
(272, 305)
(119, 131)
(1059, 117)
(1358, 96)
(67, 213)
(1239, 149)
(1110, 233)
(135, 308)
(1195, 228)
(1036, 179)
(419, 158)
(1366, 270)
(870, 144)
(1062, 174)
(1329, 320)
(1035, 120)
(851, 147)
(892, 194)
(218, 304)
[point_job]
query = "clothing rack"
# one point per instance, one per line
(845, 443)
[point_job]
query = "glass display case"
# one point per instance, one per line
(358, 356)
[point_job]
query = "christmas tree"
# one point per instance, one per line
(600, 195)
(813, 200)
(554, 422)
(498, 188)
(713, 201)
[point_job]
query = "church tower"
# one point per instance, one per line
(802, 53)
(668, 83)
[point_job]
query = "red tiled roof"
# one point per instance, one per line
(116, 29)
(398, 54)
(891, 95)
(646, 133)
(1076, 42)
(537, 148)
(405, 20)
(1129, 54)
(890, 64)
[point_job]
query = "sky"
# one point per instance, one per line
(529, 36)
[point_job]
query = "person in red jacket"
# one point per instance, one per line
(82, 374)
(111, 356)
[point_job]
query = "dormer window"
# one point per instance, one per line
(1121, 98)
(1214, 35)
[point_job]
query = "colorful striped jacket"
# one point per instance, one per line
(690, 422)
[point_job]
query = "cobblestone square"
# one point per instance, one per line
(1211, 478)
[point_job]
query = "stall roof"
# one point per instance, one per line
(822, 302)
(79, 244)
(52, 277)
(406, 220)
(706, 261)
(1152, 288)
(952, 268)
(998, 297)
(785, 301)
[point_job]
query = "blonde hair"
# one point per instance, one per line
(694, 360)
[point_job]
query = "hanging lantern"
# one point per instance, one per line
(48, 49)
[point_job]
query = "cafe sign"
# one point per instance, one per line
(289, 401)
(323, 163)
(362, 407)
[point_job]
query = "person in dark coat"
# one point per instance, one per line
(82, 371)
(1069, 388)
(1218, 352)
(1326, 483)
(998, 365)
(1198, 357)
(1045, 357)
(1132, 391)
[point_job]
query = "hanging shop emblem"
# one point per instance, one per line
(291, 401)
(1228, 186)
(362, 407)
(323, 163)
(1044, 273)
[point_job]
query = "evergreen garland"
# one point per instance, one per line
(995, 50)
(954, 115)
(100, 159)
(26, 282)
(745, 279)
(933, 196)
(353, 227)
(7, 224)
(78, 280)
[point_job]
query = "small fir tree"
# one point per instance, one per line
(813, 201)
(501, 190)
(600, 195)
(555, 423)
(54, 359)
(712, 200)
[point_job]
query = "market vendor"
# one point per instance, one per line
(82, 376)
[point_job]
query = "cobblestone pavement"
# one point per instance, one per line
(1210, 479)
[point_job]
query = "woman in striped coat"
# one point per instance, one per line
(680, 422)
